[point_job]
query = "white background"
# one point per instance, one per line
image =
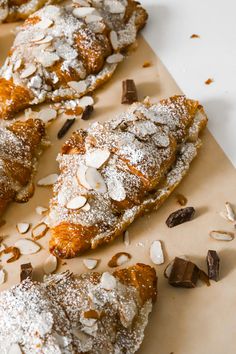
(192, 61)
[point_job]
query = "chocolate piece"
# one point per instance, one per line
(26, 271)
(184, 274)
(129, 92)
(64, 129)
(180, 216)
(87, 112)
(213, 265)
(204, 277)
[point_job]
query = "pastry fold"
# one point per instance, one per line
(21, 143)
(93, 313)
(64, 52)
(115, 171)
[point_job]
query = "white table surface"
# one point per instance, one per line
(192, 61)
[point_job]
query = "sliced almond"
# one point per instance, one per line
(48, 180)
(47, 58)
(114, 40)
(46, 39)
(86, 207)
(37, 36)
(118, 259)
(116, 7)
(81, 176)
(81, 2)
(45, 23)
(230, 212)
(96, 158)
(15, 253)
(27, 246)
(108, 281)
(156, 253)
(47, 114)
(17, 64)
(28, 71)
(86, 101)
(80, 12)
(41, 210)
(222, 235)
(92, 18)
(90, 263)
(39, 231)
(62, 198)
(77, 202)
(50, 264)
(115, 58)
(2, 276)
(14, 349)
(23, 227)
(126, 238)
(78, 86)
(95, 180)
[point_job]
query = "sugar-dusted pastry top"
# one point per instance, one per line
(63, 52)
(20, 145)
(93, 313)
(114, 171)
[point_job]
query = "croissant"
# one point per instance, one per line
(114, 172)
(93, 313)
(63, 52)
(21, 143)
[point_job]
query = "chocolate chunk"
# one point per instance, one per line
(180, 216)
(129, 92)
(64, 129)
(213, 265)
(87, 112)
(26, 271)
(184, 274)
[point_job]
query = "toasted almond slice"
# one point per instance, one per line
(92, 18)
(77, 202)
(108, 281)
(114, 40)
(37, 36)
(27, 246)
(39, 231)
(17, 64)
(222, 235)
(95, 180)
(96, 158)
(156, 253)
(45, 23)
(2, 276)
(50, 264)
(78, 86)
(14, 349)
(81, 3)
(118, 259)
(80, 12)
(48, 180)
(28, 71)
(87, 207)
(90, 263)
(115, 58)
(126, 238)
(47, 114)
(81, 176)
(230, 212)
(86, 101)
(15, 254)
(47, 39)
(41, 210)
(92, 314)
(22, 227)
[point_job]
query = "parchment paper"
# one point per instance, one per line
(194, 321)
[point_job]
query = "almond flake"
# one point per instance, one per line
(118, 259)
(27, 246)
(78, 86)
(156, 253)
(81, 176)
(50, 264)
(38, 36)
(14, 349)
(126, 238)
(62, 198)
(86, 101)
(47, 59)
(96, 158)
(87, 207)
(2, 276)
(80, 12)
(28, 71)
(22, 227)
(230, 212)
(107, 281)
(92, 18)
(115, 58)
(90, 263)
(116, 190)
(45, 23)
(17, 64)
(41, 210)
(47, 114)
(114, 40)
(47, 39)
(39, 231)
(77, 202)
(15, 254)
(116, 7)
(95, 180)
(48, 180)
(81, 3)
(222, 235)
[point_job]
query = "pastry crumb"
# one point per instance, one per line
(194, 35)
(209, 81)
(147, 64)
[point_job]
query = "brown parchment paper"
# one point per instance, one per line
(194, 321)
